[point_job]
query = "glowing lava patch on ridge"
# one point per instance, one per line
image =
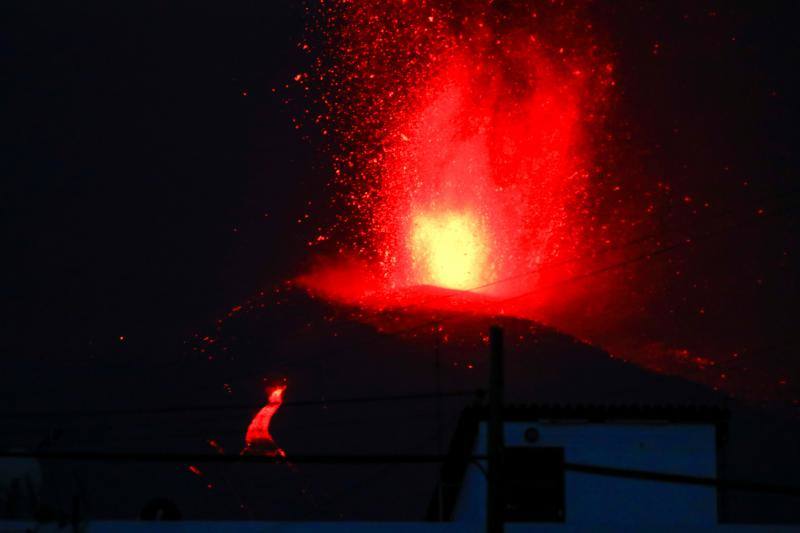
(258, 439)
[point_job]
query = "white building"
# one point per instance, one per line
(545, 444)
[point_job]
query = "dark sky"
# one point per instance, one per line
(707, 103)
(143, 192)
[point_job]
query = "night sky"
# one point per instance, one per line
(143, 191)
(153, 178)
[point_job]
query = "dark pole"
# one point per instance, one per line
(437, 369)
(495, 504)
(437, 366)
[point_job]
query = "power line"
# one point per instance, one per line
(149, 432)
(169, 457)
(375, 475)
(648, 255)
(581, 257)
(682, 479)
(373, 459)
(238, 406)
(607, 268)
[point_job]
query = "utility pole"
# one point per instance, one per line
(494, 498)
(437, 369)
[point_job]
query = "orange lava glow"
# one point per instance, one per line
(449, 250)
(258, 439)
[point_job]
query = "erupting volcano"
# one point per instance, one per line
(482, 164)
(465, 160)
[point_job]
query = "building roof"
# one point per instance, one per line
(689, 414)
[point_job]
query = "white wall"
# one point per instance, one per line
(589, 499)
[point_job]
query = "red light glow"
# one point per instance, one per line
(465, 159)
(258, 439)
(449, 250)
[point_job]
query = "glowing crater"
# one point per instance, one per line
(449, 250)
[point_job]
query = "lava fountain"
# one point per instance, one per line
(448, 250)
(464, 160)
